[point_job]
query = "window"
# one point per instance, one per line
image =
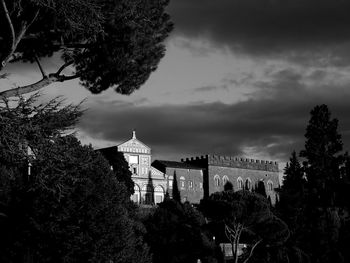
(190, 184)
(133, 159)
(134, 170)
(200, 185)
(248, 184)
(269, 185)
(240, 183)
(170, 182)
(182, 182)
(217, 180)
(224, 179)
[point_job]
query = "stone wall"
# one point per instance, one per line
(236, 169)
(194, 177)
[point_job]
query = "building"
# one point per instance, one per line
(197, 177)
(189, 178)
(150, 184)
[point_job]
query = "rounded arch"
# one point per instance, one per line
(147, 188)
(225, 179)
(239, 183)
(137, 194)
(147, 196)
(248, 184)
(269, 186)
(182, 182)
(158, 194)
(217, 180)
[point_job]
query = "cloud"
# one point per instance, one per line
(210, 88)
(304, 31)
(272, 126)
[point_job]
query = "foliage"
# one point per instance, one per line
(260, 189)
(246, 218)
(292, 194)
(175, 234)
(228, 186)
(119, 166)
(312, 195)
(69, 207)
(322, 153)
(176, 191)
(108, 43)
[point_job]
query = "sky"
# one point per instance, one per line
(239, 78)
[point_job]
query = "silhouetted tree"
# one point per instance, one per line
(119, 166)
(69, 207)
(246, 218)
(103, 43)
(292, 194)
(228, 186)
(176, 191)
(310, 196)
(175, 234)
(260, 189)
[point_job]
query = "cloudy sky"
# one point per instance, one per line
(239, 78)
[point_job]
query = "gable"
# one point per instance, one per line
(134, 145)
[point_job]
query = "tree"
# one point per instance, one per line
(246, 218)
(260, 189)
(119, 166)
(322, 165)
(310, 198)
(294, 179)
(105, 43)
(322, 153)
(175, 234)
(228, 186)
(292, 194)
(69, 206)
(176, 191)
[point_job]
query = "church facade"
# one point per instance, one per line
(197, 177)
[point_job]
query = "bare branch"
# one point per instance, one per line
(24, 28)
(15, 38)
(62, 78)
(40, 67)
(251, 251)
(64, 66)
(26, 89)
(12, 33)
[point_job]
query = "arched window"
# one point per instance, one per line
(224, 179)
(158, 194)
(190, 185)
(239, 183)
(136, 196)
(248, 184)
(182, 182)
(269, 185)
(217, 180)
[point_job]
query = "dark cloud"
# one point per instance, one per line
(313, 31)
(270, 126)
(210, 88)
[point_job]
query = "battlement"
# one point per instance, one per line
(234, 162)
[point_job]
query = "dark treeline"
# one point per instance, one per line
(308, 223)
(61, 202)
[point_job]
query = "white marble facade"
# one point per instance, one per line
(150, 184)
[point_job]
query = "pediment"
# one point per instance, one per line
(134, 144)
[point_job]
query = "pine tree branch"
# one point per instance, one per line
(251, 251)
(40, 67)
(44, 82)
(15, 37)
(7, 56)
(64, 66)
